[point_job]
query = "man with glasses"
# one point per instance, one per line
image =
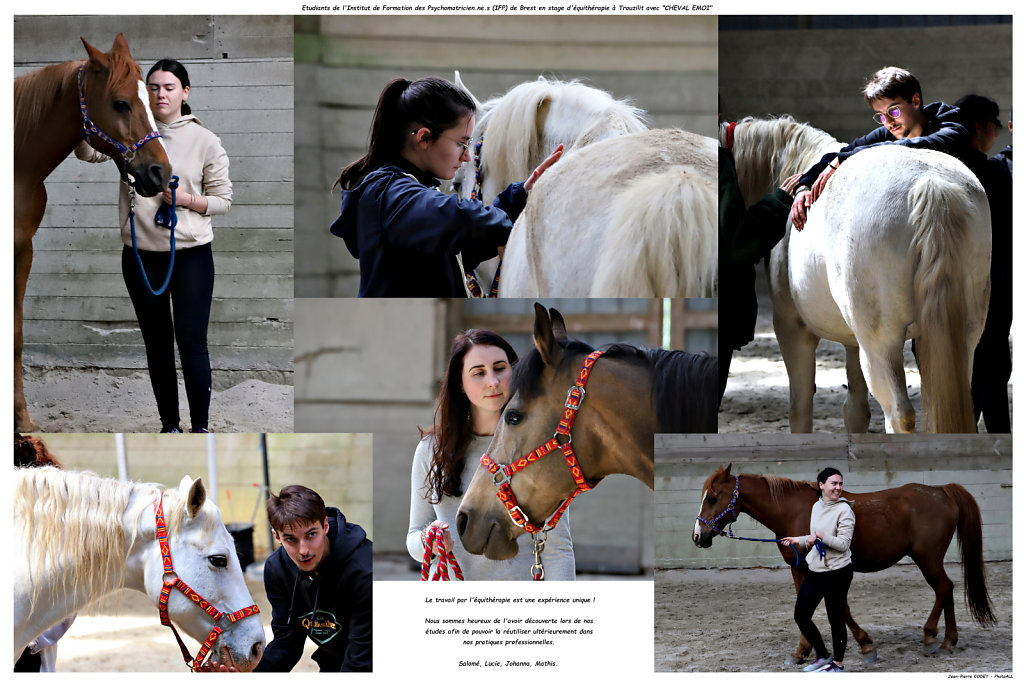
(895, 96)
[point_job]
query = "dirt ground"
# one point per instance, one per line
(70, 400)
(742, 620)
(757, 394)
(124, 634)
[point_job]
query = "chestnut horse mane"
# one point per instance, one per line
(36, 92)
(779, 486)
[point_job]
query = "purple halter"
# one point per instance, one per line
(90, 128)
(731, 508)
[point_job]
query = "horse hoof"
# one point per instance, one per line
(870, 657)
(792, 660)
(931, 648)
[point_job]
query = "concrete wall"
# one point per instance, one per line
(980, 463)
(77, 311)
(337, 466)
(816, 74)
(666, 64)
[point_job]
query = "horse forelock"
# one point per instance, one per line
(125, 73)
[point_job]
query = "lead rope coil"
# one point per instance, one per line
(445, 559)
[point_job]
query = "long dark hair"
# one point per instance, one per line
(178, 69)
(431, 103)
(824, 475)
(453, 428)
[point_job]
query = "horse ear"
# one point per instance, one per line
(195, 495)
(458, 82)
(120, 44)
(558, 327)
(728, 469)
(544, 337)
(96, 56)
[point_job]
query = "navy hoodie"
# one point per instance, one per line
(407, 234)
(333, 606)
(943, 132)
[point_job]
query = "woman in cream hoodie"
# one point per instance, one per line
(204, 190)
(829, 570)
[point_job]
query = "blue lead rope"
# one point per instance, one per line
(818, 545)
(166, 218)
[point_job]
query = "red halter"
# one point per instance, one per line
(171, 580)
(730, 135)
(503, 473)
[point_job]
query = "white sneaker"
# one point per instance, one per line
(817, 664)
(831, 668)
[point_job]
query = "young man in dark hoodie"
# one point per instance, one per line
(895, 96)
(320, 585)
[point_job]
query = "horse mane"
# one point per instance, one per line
(38, 91)
(777, 146)
(779, 486)
(75, 521)
(513, 123)
(692, 411)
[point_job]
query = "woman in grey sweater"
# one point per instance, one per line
(829, 570)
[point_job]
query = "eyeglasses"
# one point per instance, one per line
(463, 146)
(890, 114)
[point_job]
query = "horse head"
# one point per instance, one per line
(120, 107)
(204, 558)
(718, 506)
(528, 421)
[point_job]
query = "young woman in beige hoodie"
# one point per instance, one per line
(204, 190)
(829, 570)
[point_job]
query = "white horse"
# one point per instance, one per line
(631, 216)
(522, 127)
(897, 247)
(80, 537)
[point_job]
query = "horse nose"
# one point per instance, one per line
(156, 176)
(257, 651)
(461, 520)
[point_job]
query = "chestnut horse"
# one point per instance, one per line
(630, 394)
(913, 520)
(102, 99)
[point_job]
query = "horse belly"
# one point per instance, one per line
(810, 284)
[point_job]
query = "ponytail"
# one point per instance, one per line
(431, 103)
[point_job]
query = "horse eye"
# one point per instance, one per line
(513, 417)
(122, 106)
(712, 500)
(219, 561)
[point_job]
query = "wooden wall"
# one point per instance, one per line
(816, 74)
(337, 466)
(77, 311)
(980, 463)
(666, 64)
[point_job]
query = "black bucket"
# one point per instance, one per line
(242, 533)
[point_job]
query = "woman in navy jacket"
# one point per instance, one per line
(411, 239)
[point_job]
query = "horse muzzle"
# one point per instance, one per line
(149, 178)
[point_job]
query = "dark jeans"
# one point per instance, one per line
(181, 313)
(833, 586)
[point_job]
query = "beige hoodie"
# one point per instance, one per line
(835, 521)
(201, 164)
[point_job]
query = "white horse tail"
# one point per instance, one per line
(940, 213)
(662, 239)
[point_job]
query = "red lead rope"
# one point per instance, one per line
(445, 559)
(171, 581)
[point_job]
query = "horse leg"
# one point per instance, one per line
(28, 213)
(888, 382)
(856, 413)
(935, 574)
(798, 345)
(867, 646)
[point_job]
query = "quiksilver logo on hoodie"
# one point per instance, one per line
(321, 626)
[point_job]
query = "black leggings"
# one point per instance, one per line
(833, 586)
(189, 296)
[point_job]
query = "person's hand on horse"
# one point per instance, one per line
(801, 202)
(819, 184)
(544, 165)
(216, 667)
(789, 184)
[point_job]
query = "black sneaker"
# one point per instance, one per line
(200, 430)
(170, 430)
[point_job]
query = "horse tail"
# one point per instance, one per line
(940, 214)
(968, 532)
(661, 240)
